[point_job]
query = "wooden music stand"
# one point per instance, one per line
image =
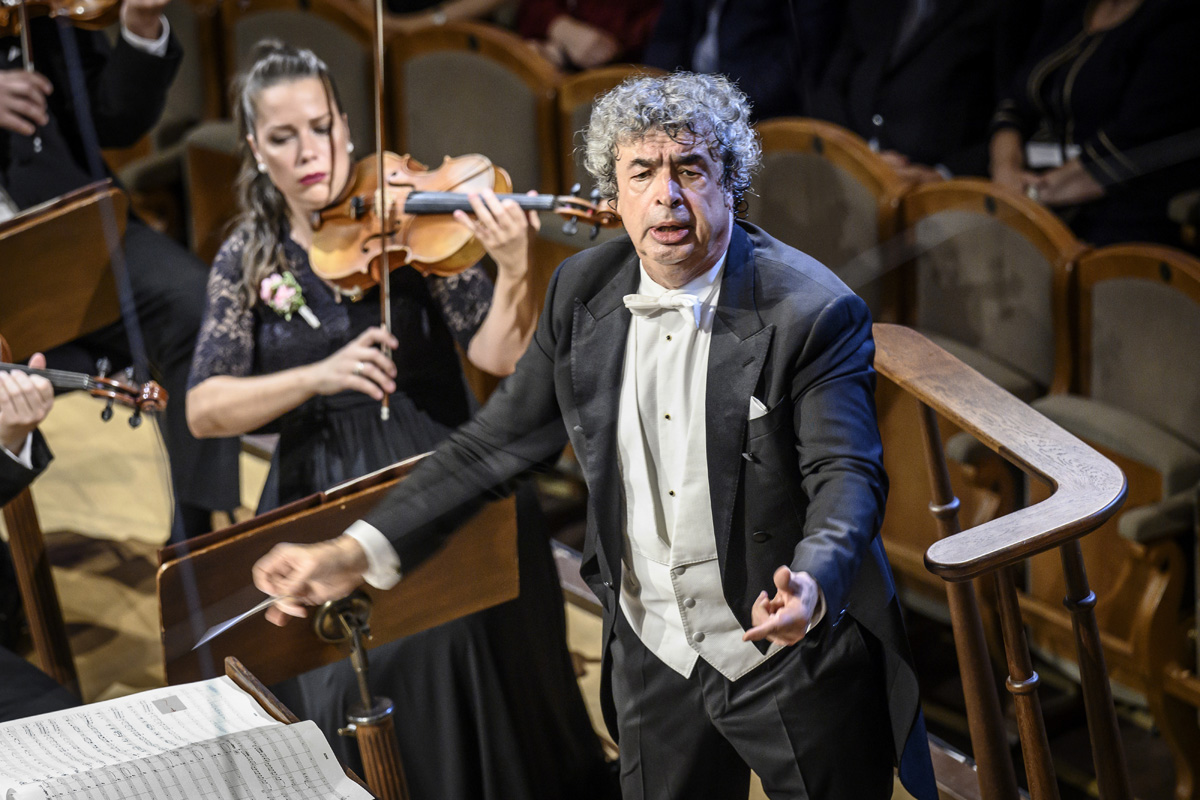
(54, 267)
(206, 580)
(249, 683)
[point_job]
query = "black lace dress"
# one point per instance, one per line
(487, 705)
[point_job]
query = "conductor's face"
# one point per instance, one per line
(676, 211)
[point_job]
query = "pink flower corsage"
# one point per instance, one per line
(283, 295)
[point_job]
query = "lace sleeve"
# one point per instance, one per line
(226, 342)
(465, 300)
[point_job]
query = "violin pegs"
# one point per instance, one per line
(135, 419)
(107, 413)
(594, 232)
(128, 373)
(103, 367)
(575, 189)
(595, 195)
(571, 226)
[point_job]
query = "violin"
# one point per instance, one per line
(89, 14)
(348, 236)
(116, 391)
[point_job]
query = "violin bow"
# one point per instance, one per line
(381, 210)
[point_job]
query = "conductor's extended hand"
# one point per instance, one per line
(309, 575)
(783, 619)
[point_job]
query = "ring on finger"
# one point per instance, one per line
(358, 369)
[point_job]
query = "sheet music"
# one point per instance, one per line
(117, 731)
(284, 762)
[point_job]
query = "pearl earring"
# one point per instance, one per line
(349, 147)
(262, 167)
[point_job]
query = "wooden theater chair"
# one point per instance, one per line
(1135, 399)
(988, 278)
(824, 192)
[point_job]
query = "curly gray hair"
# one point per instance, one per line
(704, 106)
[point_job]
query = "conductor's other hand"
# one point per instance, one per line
(359, 366)
(309, 575)
(783, 619)
(143, 17)
(23, 100)
(25, 400)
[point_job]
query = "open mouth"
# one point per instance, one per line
(316, 177)
(670, 233)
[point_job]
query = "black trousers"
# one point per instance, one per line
(169, 291)
(812, 722)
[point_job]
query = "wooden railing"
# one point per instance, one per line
(1088, 489)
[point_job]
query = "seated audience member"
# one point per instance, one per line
(581, 34)
(43, 155)
(1098, 119)
(773, 50)
(918, 81)
(25, 400)
(413, 15)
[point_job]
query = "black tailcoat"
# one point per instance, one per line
(808, 474)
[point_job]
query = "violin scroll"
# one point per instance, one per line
(124, 392)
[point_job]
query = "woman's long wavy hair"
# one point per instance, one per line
(262, 209)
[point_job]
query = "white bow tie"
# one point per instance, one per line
(645, 305)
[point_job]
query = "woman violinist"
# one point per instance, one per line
(487, 705)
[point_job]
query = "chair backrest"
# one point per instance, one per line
(198, 92)
(991, 270)
(339, 31)
(823, 191)
(1139, 333)
(472, 88)
(576, 95)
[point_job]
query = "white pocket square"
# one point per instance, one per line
(757, 409)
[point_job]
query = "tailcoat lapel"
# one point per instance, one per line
(737, 353)
(600, 327)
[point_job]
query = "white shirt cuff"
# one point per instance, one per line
(819, 612)
(155, 47)
(383, 564)
(25, 457)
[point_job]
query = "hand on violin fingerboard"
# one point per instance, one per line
(504, 230)
(143, 17)
(23, 100)
(25, 400)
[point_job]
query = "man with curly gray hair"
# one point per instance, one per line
(718, 390)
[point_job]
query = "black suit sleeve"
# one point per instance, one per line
(129, 91)
(833, 390)
(15, 476)
(520, 427)
(126, 87)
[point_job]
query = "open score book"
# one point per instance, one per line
(198, 741)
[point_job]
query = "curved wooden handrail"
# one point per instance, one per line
(1088, 487)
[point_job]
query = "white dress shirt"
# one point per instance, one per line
(25, 457)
